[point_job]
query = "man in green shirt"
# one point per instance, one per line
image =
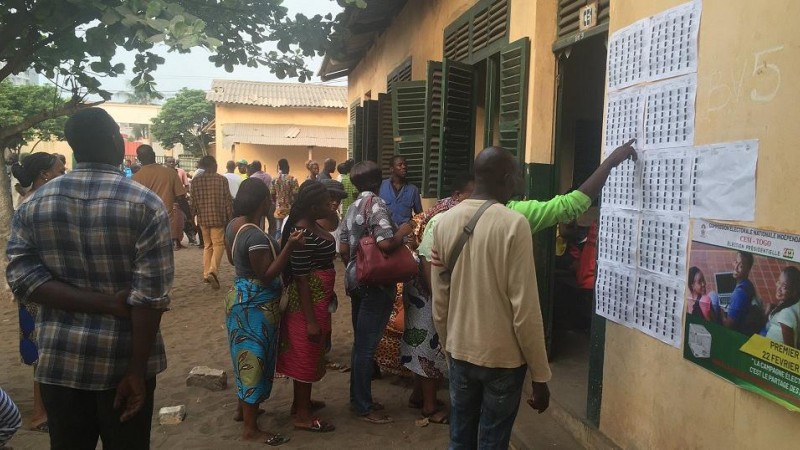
(568, 207)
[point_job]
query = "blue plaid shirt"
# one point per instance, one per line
(96, 230)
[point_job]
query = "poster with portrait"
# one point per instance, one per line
(743, 308)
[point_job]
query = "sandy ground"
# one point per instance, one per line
(194, 333)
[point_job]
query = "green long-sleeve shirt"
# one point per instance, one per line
(560, 209)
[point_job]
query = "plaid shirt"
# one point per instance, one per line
(99, 231)
(211, 200)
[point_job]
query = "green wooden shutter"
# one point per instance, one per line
(351, 129)
(386, 139)
(371, 130)
(514, 96)
(430, 185)
(358, 135)
(457, 133)
(409, 124)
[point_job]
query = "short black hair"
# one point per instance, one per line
(283, 165)
(747, 258)
(461, 181)
(230, 166)
(255, 165)
(207, 162)
(345, 167)
(146, 154)
(396, 158)
(366, 176)
(251, 194)
(94, 136)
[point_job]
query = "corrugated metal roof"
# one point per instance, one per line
(278, 95)
(286, 135)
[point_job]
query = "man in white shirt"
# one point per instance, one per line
(234, 180)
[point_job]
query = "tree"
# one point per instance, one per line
(179, 121)
(73, 43)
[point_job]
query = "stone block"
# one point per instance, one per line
(206, 377)
(171, 415)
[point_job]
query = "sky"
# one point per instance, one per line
(193, 70)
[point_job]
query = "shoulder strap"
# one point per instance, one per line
(247, 225)
(469, 228)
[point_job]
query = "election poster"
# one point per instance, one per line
(743, 308)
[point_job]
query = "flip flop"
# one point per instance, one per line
(42, 427)
(317, 426)
(277, 440)
(381, 421)
(444, 420)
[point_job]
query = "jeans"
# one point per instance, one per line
(484, 404)
(76, 419)
(372, 307)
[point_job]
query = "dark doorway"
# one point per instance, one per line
(579, 118)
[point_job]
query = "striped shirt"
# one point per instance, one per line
(316, 254)
(211, 200)
(10, 419)
(99, 231)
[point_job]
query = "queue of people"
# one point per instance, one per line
(477, 324)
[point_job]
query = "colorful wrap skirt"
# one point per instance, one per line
(253, 317)
(299, 358)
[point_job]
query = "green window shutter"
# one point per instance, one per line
(371, 130)
(457, 133)
(409, 124)
(430, 185)
(358, 135)
(351, 129)
(513, 96)
(386, 138)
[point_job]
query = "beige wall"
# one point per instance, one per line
(297, 156)
(420, 28)
(652, 397)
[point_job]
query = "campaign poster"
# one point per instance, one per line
(743, 308)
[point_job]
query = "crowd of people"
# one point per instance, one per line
(91, 262)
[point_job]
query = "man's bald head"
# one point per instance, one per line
(497, 173)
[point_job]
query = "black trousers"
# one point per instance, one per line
(76, 419)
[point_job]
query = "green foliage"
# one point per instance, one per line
(19, 102)
(76, 40)
(178, 121)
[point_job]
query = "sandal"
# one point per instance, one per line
(317, 426)
(42, 427)
(377, 421)
(444, 420)
(316, 405)
(276, 440)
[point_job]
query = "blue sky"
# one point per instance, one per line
(193, 70)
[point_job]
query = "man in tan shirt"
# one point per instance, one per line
(487, 311)
(165, 183)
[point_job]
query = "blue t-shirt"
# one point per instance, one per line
(402, 204)
(741, 298)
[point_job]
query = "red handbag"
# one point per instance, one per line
(374, 267)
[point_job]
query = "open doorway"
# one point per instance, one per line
(579, 118)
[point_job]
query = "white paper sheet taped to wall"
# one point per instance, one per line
(658, 307)
(663, 244)
(614, 291)
(622, 187)
(618, 236)
(624, 117)
(628, 54)
(673, 41)
(669, 113)
(667, 180)
(724, 181)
